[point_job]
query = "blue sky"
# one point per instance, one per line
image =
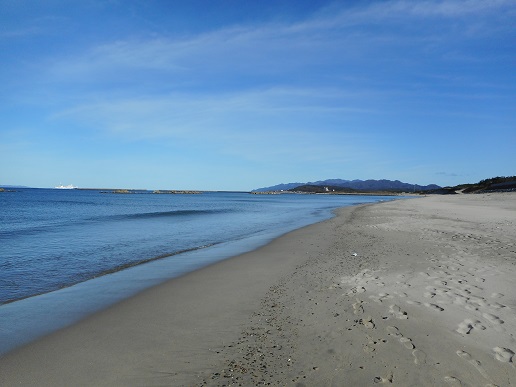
(236, 95)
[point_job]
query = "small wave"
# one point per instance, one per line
(143, 215)
(147, 260)
(73, 202)
(112, 270)
(162, 214)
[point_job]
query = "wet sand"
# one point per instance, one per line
(411, 292)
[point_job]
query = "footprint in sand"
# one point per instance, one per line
(397, 312)
(407, 343)
(452, 381)
(419, 357)
(381, 297)
(478, 301)
(496, 305)
(492, 318)
(356, 290)
(468, 325)
(504, 355)
(393, 331)
(368, 322)
(435, 307)
(497, 295)
(475, 363)
(442, 291)
(387, 379)
(357, 307)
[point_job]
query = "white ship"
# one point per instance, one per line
(69, 186)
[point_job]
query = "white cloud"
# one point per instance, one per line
(338, 37)
(319, 97)
(453, 8)
(449, 174)
(20, 32)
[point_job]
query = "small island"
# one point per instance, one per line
(123, 191)
(176, 192)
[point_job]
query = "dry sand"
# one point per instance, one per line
(412, 292)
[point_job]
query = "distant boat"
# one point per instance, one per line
(70, 186)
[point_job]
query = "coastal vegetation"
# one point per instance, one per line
(494, 184)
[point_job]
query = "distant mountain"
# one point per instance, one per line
(279, 187)
(323, 189)
(358, 185)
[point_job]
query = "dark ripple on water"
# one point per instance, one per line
(51, 239)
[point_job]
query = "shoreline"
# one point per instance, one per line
(161, 234)
(304, 309)
(179, 311)
(28, 319)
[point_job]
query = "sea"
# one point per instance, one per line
(67, 253)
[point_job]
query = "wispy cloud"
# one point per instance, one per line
(343, 37)
(274, 123)
(454, 8)
(449, 174)
(340, 65)
(19, 32)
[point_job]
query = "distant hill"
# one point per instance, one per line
(357, 185)
(494, 184)
(500, 183)
(279, 187)
(322, 189)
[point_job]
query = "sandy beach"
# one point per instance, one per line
(416, 292)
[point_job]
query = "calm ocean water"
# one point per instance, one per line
(52, 239)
